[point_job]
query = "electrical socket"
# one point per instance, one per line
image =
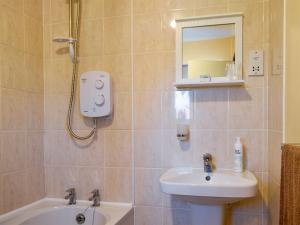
(256, 63)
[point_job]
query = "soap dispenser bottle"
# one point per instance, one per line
(238, 156)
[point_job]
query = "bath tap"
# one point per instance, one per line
(95, 198)
(71, 196)
(207, 162)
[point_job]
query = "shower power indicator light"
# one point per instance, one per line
(99, 84)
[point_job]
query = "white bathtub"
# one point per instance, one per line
(56, 212)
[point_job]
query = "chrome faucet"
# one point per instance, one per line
(71, 196)
(207, 163)
(95, 198)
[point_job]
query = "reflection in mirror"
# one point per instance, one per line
(208, 51)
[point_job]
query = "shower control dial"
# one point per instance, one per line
(99, 84)
(99, 100)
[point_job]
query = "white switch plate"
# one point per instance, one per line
(256, 63)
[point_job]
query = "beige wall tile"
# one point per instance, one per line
(47, 42)
(151, 71)
(117, 8)
(35, 112)
(12, 27)
(12, 109)
(147, 6)
(89, 63)
(92, 9)
(118, 148)
(89, 152)
(253, 19)
(275, 140)
(119, 67)
(89, 179)
(150, 35)
(1, 194)
(275, 102)
(35, 153)
(11, 186)
(121, 117)
(147, 187)
(59, 11)
(145, 215)
(147, 109)
(211, 108)
(274, 201)
(179, 4)
(33, 74)
(177, 153)
(148, 148)
(17, 5)
(35, 185)
(59, 179)
(117, 35)
(214, 9)
(15, 158)
(55, 112)
(246, 108)
(12, 68)
(57, 149)
(117, 184)
(210, 3)
(57, 75)
(33, 36)
(34, 8)
(91, 38)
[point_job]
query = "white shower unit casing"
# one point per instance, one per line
(95, 94)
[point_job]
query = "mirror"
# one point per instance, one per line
(209, 49)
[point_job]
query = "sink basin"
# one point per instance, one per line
(218, 188)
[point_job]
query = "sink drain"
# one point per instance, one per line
(207, 178)
(80, 218)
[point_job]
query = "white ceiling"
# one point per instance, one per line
(208, 32)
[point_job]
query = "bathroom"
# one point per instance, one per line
(155, 120)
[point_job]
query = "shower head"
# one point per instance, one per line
(64, 40)
(71, 42)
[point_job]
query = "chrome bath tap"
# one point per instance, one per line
(71, 196)
(95, 198)
(207, 158)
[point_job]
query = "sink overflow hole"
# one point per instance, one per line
(207, 178)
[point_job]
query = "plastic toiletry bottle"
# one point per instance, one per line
(238, 156)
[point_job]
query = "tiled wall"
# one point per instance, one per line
(105, 44)
(217, 115)
(21, 97)
(132, 39)
(275, 92)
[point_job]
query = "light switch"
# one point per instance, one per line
(256, 63)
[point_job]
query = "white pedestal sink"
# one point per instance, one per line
(208, 193)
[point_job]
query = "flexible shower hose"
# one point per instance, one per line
(74, 74)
